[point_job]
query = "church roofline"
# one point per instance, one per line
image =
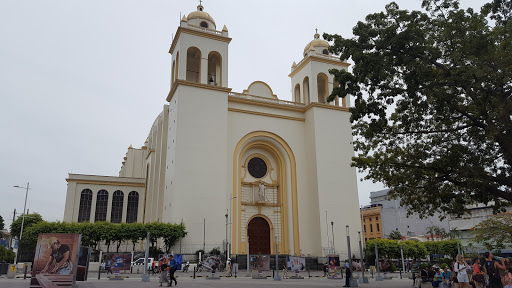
(198, 31)
(324, 59)
(179, 82)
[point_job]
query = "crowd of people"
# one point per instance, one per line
(488, 272)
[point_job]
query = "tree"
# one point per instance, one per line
(494, 232)
(431, 117)
(395, 235)
(1, 226)
(30, 219)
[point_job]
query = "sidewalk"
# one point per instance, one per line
(135, 282)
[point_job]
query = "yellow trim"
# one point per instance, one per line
(236, 182)
(113, 183)
(283, 199)
(246, 91)
(149, 153)
(266, 114)
(285, 107)
(318, 59)
(179, 82)
(327, 106)
(197, 33)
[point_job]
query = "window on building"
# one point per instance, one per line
(371, 228)
(117, 207)
(370, 219)
(101, 206)
(133, 207)
(377, 218)
(325, 52)
(378, 227)
(84, 212)
(364, 227)
(203, 24)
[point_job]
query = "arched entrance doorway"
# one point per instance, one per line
(258, 231)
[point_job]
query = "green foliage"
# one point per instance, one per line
(2, 225)
(215, 251)
(390, 249)
(395, 235)
(393, 267)
(6, 254)
(30, 219)
(431, 117)
(107, 232)
(494, 232)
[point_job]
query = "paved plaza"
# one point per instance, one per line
(135, 282)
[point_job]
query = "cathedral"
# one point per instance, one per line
(241, 170)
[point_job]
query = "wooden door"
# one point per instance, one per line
(258, 231)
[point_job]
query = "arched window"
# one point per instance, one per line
(323, 87)
(203, 24)
(305, 85)
(133, 207)
(325, 52)
(84, 212)
(117, 207)
(177, 66)
(337, 100)
(193, 65)
(214, 69)
(101, 206)
(172, 72)
(297, 93)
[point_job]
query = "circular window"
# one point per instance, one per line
(326, 52)
(204, 24)
(257, 167)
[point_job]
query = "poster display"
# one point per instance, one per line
(55, 258)
(334, 265)
(260, 262)
(118, 261)
(296, 263)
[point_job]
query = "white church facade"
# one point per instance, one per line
(246, 168)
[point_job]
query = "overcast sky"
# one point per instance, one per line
(82, 80)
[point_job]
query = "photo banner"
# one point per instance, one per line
(334, 265)
(260, 262)
(296, 263)
(118, 261)
(55, 259)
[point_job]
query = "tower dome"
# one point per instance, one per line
(318, 45)
(201, 18)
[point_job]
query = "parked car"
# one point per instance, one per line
(140, 261)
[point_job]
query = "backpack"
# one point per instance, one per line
(492, 271)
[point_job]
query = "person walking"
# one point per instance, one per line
(478, 275)
(347, 274)
(415, 267)
(163, 271)
(461, 268)
(173, 266)
(491, 268)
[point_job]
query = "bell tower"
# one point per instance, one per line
(311, 80)
(200, 52)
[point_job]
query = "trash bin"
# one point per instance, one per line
(11, 272)
(3, 268)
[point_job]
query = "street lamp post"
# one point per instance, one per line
(227, 245)
(362, 279)
(22, 216)
(333, 246)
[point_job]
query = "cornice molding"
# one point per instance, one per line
(197, 33)
(317, 59)
(179, 82)
(266, 114)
